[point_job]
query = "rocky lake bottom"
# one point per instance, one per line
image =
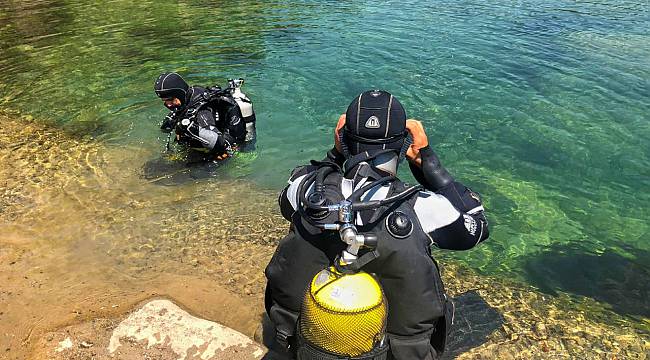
(85, 238)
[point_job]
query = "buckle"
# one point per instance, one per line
(282, 338)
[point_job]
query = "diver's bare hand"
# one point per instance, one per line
(337, 137)
(420, 140)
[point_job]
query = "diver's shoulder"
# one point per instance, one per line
(434, 210)
(198, 90)
(301, 170)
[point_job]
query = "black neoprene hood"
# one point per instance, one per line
(171, 85)
(375, 120)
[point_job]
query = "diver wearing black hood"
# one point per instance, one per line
(207, 123)
(371, 139)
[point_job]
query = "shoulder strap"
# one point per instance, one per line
(402, 186)
(196, 105)
(227, 99)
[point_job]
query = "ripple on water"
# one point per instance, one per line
(539, 105)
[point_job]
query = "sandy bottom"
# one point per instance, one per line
(86, 234)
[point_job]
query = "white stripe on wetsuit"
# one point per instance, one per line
(433, 210)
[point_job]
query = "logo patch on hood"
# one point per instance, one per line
(373, 123)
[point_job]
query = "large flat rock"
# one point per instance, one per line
(161, 322)
(159, 329)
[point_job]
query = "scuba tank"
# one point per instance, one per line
(343, 316)
(245, 105)
(344, 310)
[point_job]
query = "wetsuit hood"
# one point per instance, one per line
(172, 85)
(375, 120)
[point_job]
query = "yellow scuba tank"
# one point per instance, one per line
(342, 316)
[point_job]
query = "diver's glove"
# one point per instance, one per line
(169, 123)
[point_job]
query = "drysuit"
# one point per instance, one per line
(445, 214)
(203, 121)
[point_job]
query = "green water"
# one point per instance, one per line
(541, 106)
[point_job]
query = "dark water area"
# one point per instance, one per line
(608, 277)
(541, 106)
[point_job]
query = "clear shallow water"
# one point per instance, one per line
(541, 106)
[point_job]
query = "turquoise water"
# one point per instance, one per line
(541, 106)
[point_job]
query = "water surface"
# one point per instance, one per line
(541, 106)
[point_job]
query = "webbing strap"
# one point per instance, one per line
(356, 266)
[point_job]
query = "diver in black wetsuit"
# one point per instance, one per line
(371, 139)
(207, 120)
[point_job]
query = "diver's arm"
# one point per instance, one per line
(430, 172)
(463, 234)
(287, 200)
(285, 206)
(169, 122)
(423, 161)
(452, 226)
(235, 126)
(205, 131)
(434, 177)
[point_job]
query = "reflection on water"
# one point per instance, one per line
(178, 168)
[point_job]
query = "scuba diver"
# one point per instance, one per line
(387, 228)
(211, 120)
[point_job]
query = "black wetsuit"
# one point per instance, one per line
(215, 126)
(447, 215)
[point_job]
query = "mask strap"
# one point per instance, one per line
(344, 148)
(408, 141)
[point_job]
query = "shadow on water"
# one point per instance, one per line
(474, 321)
(193, 166)
(619, 281)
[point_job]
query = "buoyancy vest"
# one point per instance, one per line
(212, 97)
(405, 268)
